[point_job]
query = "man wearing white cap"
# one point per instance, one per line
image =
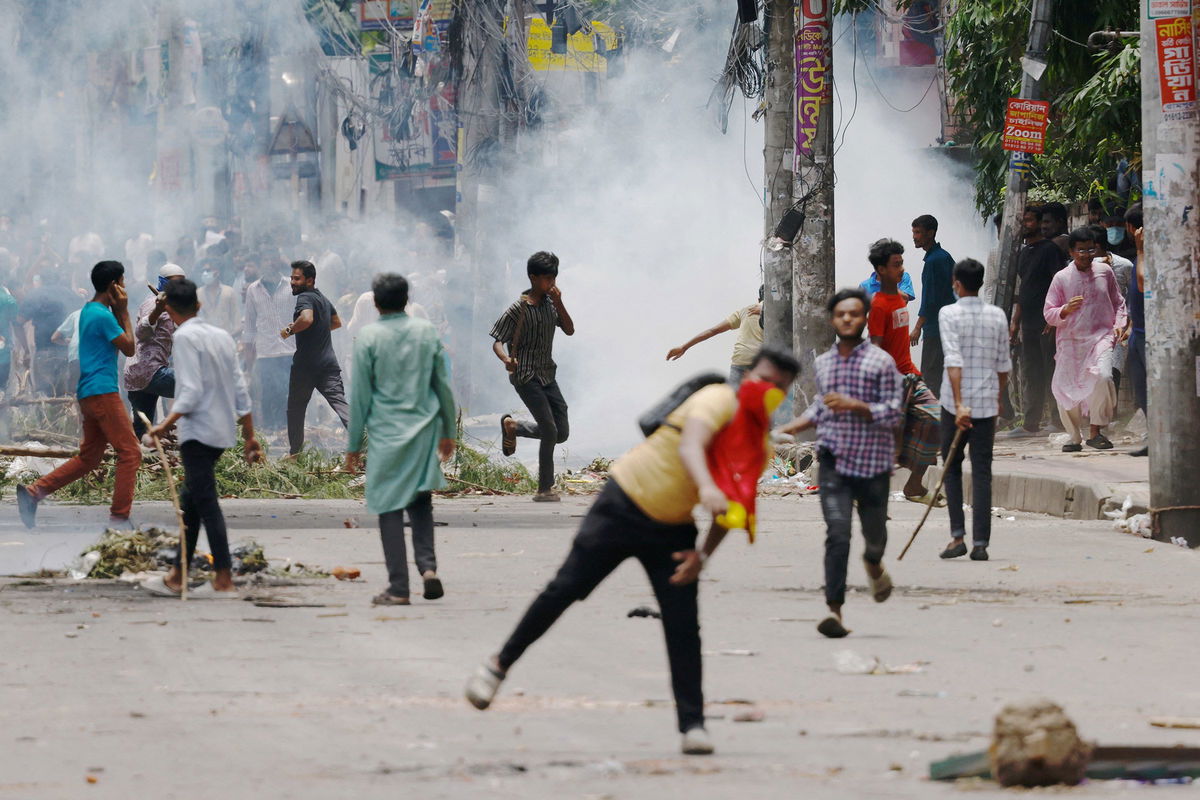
(147, 375)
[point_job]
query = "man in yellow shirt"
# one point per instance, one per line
(748, 323)
(645, 512)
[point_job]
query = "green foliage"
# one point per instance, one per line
(476, 469)
(1095, 105)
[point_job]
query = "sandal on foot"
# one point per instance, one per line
(508, 441)
(433, 588)
(832, 628)
(157, 586)
(389, 599)
(923, 499)
(954, 550)
(547, 497)
(881, 587)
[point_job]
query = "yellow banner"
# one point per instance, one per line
(581, 55)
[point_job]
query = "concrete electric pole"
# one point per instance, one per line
(812, 250)
(1033, 65)
(1171, 208)
(778, 157)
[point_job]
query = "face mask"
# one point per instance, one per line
(209, 278)
(162, 283)
(1116, 235)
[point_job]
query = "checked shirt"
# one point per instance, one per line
(975, 338)
(862, 448)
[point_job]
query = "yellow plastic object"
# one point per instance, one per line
(773, 399)
(734, 518)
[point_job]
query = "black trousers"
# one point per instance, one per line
(550, 425)
(979, 437)
(1135, 366)
(395, 554)
(1037, 365)
(304, 379)
(838, 495)
(613, 530)
(932, 361)
(198, 500)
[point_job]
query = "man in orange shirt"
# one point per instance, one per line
(888, 325)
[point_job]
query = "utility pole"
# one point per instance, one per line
(1171, 208)
(478, 143)
(1004, 283)
(812, 250)
(778, 158)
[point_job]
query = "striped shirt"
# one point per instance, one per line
(862, 448)
(528, 330)
(975, 339)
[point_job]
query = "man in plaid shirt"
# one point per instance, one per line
(861, 396)
(975, 342)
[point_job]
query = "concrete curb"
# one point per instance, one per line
(1069, 498)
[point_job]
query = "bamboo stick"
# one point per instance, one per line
(166, 465)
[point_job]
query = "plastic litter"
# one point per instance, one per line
(848, 662)
(83, 565)
(1138, 524)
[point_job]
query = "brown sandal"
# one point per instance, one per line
(508, 442)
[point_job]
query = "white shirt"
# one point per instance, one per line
(210, 390)
(266, 315)
(974, 338)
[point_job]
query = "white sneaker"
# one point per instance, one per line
(482, 686)
(697, 743)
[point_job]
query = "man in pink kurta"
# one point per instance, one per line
(1085, 305)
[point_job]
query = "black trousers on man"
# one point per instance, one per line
(980, 437)
(613, 530)
(1037, 365)
(198, 500)
(304, 379)
(932, 362)
(395, 554)
(550, 424)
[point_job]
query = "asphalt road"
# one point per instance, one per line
(335, 698)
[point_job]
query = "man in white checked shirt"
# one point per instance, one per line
(975, 344)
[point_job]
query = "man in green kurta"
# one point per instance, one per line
(400, 391)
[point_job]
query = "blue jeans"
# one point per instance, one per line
(838, 494)
(274, 374)
(145, 400)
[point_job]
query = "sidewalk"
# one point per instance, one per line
(1035, 475)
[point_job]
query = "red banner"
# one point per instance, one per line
(1176, 67)
(1025, 125)
(814, 81)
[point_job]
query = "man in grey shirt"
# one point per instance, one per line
(314, 366)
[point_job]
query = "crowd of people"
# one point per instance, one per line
(874, 410)
(244, 288)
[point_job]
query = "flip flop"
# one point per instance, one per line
(508, 442)
(433, 588)
(923, 499)
(157, 586)
(881, 587)
(832, 628)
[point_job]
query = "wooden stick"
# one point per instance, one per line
(40, 452)
(166, 465)
(958, 435)
(477, 486)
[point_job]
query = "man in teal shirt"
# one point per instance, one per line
(104, 328)
(937, 292)
(400, 392)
